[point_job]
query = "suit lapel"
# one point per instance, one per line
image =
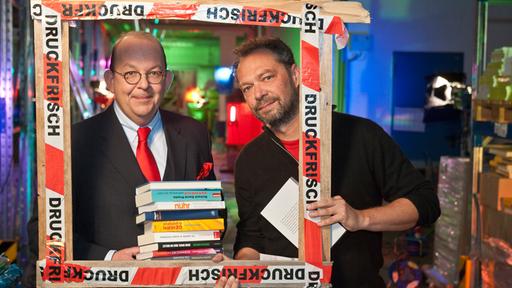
(117, 149)
(176, 149)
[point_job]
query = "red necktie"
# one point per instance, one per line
(145, 158)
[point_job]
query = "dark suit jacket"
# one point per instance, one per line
(106, 173)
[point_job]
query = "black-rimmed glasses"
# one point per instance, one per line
(133, 77)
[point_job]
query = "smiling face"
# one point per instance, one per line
(139, 101)
(269, 87)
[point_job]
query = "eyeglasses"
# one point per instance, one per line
(133, 77)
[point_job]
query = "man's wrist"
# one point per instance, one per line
(364, 219)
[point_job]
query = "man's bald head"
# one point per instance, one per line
(137, 35)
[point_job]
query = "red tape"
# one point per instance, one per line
(311, 156)
(166, 10)
(55, 254)
(156, 276)
(310, 66)
(242, 273)
(335, 27)
(326, 273)
(312, 243)
(54, 169)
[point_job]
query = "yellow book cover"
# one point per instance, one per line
(184, 225)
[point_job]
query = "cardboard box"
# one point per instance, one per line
(493, 187)
(506, 204)
(497, 224)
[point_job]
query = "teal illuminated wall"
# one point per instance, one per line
(190, 52)
(199, 54)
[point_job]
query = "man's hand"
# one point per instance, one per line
(125, 254)
(338, 211)
(247, 253)
(232, 282)
(220, 257)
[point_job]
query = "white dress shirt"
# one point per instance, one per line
(156, 139)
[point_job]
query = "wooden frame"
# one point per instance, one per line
(54, 145)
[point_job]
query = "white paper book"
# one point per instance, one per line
(149, 238)
(282, 212)
(178, 185)
(503, 152)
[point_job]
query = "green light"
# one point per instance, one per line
(93, 72)
(196, 112)
(81, 72)
(157, 21)
(155, 32)
(126, 27)
(107, 26)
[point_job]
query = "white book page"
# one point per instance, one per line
(282, 212)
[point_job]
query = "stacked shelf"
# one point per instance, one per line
(492, 129)
(491, 124)
(498, 111)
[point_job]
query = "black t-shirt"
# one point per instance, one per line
(367, 168)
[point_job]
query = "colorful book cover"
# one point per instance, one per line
(186, 252)
(192, 205)
(177, 215)
(184, 257)
(148, 238)
(179, 246)
(184, 225)
(177, 196)
(179, 185)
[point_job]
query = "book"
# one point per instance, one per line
(184, 225)
(172, 253)
(179, 246)
(179, 185)
(185, 257)
(503, 152)
(177, 195)
(502, 160)
(192, 205)
(176, 215)
(148, 238)
(503, 171)
(504, 167)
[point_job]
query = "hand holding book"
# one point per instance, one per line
(125, 254)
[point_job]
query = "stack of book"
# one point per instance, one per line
(502, 161)
(182, 220)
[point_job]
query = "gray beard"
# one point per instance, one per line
(286, 116)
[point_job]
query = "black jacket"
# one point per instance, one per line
(106, 173)
(367, 168)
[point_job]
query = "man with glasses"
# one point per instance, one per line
(131, 143)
